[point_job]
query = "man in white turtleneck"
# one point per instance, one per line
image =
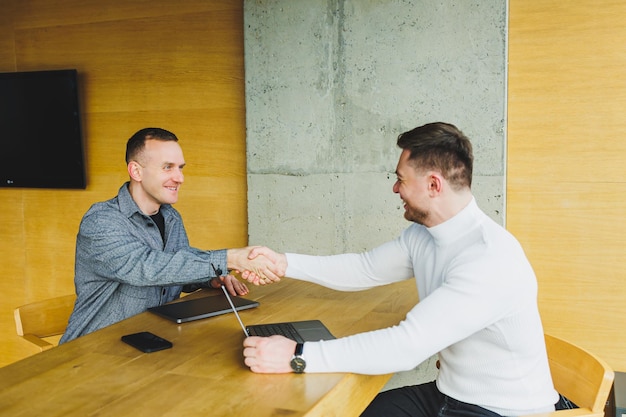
(477, 308)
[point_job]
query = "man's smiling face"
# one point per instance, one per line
(412, 186)
(162, 164)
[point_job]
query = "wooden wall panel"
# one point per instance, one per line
(566, 176)
(176, 65)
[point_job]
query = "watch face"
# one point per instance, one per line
(298, 364)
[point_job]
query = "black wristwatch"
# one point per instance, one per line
(297, 362)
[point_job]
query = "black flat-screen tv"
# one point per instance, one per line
(40, 130)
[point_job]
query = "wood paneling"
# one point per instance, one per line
(566, 176)
(176, 65)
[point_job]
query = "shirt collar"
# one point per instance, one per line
(128, 205)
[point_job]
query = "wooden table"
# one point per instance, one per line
(203, 374)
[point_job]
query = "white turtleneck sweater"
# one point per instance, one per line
(477, 310)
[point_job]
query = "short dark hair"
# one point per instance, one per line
(137, 142)
(440, 146)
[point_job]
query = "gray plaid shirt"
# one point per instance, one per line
(123, 267)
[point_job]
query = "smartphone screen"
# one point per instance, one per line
(147, 342)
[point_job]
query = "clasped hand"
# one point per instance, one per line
(258, 265)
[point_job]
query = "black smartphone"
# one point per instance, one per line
(146, 342)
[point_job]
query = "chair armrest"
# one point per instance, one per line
(42, 344)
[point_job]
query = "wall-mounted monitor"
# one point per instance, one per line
(40, 130)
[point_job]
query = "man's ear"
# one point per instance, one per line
(435, 183)
(134, 170)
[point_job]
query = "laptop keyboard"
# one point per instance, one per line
(282, 329)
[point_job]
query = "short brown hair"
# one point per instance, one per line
(137, 142)
(443, 147)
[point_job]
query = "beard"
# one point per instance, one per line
(416, 215)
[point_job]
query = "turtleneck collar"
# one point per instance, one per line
(457, 226)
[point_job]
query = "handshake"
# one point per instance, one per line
(258, 265)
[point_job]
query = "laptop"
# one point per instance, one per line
(201, 308)
(300, 331)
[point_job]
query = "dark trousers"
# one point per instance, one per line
(426, 401)
(421, 401)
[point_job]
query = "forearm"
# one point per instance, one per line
(142, 266)
(213, 282)
(352, 272)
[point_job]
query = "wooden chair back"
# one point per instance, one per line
(580, 376)
(41, 319)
